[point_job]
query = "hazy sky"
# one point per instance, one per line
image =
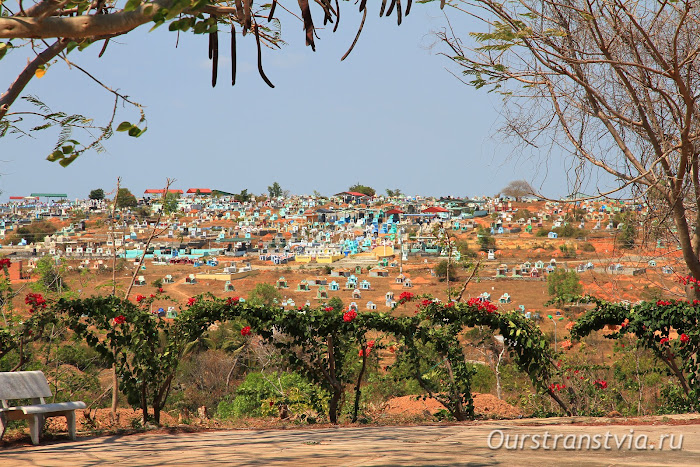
(390, 116)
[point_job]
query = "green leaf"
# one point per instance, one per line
(124, 126)
(66, 161)
(131, 5)
(54, 156)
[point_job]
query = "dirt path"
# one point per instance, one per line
(352, 446)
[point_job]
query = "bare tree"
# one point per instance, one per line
(614, 83)
(517, 189)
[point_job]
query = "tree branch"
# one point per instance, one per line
(13, 92)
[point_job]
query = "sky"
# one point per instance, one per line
(390, 116)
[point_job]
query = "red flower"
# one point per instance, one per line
(191, 301)
(140, 298)
(160, 290)
(450, 305)
(5, 263)
(664, 341)
(35, 301)
(685, 338)
(625, 323)
(405, 297)
(601, 384)
(328, 308)
(233, 300)
(392, 349)
(349, 315)
(426, 302)
(120, 319)
(245, 331)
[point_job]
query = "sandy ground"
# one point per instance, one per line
(457, 444)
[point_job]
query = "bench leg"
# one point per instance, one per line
(36, 424)
(3, 424)
(70, 421)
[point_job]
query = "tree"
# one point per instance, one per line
(365, 190)
(614, 83)
(243, 196)
(485, 240)
(97, 194)
(393, 193)
(170, 202)
(628, 230)
(517, 189)
(52, 31)
(561, 283)
(125, 199)
(442, 269)
(275, 191)
(264, 294)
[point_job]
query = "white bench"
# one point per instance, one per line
(32, 385)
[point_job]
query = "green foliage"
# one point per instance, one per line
(35, 232)
(145, 349)
(522, 214)
(561, 283)
(651, 323)
(125, 199)
(170, 202)
(568, 251)
(265, 294)
(366, 190)
(463, 247)
(243, 196)
(97, 194)
(336, 303)
(628, 232)
(275, 190)
(485, 240)
(262, 395)
(393, 193)
(442, 269)
(51, 275)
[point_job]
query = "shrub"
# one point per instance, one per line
(561, 283)
(442, 269)
(587, 247)
(261, 395)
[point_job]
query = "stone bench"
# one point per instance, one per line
(34, 386)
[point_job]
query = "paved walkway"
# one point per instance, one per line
(350, 446)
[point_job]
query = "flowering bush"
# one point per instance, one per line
(650, 324)
(483, 305)
(405, 297)
(36, 302)
(349, 315)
